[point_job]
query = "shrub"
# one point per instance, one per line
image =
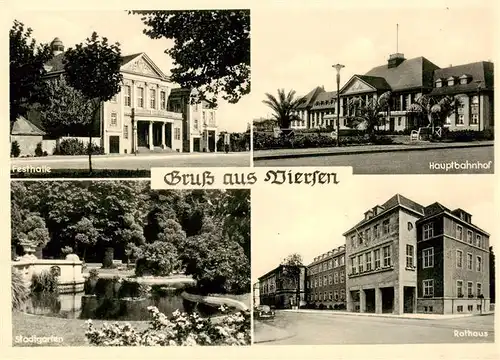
(94, 273)
(76, 147)
(15, 150)
(321, 307)
(20, 291)
(107, 261)
(45, 281)
(469, 135)
(158, 259)
(180, 330)
(66, 251)
(38, 150)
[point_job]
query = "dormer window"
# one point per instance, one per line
(439, 83)
(451, 81)
(465, 79)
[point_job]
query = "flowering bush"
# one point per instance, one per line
(180, 330)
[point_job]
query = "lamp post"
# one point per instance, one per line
(338, 67)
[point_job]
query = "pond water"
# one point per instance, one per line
(109, 299)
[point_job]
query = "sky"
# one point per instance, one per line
(294, 45)
(311, 221)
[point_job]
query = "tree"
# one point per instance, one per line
(85, 235)
(93, 69)
(284, 107)
(435, 109)
(370, 114)
(33, 231)
(211, 50)
(26, 70)
(66, 110)
(291, 270)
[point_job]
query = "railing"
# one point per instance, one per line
(158, 113)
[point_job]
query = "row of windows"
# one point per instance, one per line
(326, 280)
(428, 260)
(452, 80)
(363, 262)
(328, 265)
(469, 265)
(375, 232)
(127, 97)
(327, 296)
(428, 233)
(428, 288)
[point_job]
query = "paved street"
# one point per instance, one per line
(141, 162)
(401, 162)
(291, 328)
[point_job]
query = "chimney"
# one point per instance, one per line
(395, 60)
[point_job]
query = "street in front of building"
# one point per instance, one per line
(323, 327)
(139, 162)
(473, 160)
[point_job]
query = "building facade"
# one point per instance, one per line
(256, 294)
(453, 255)
(382, 273)
(280, 290)
(325, 281)
(149, 113)
(407, 79)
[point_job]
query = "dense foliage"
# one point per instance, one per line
(19, 289)
(15, 149)
(284, 107)
(210, 52)
(180, 330)
(202, 233)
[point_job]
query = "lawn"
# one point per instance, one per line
(71, 330)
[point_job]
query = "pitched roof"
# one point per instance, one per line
(23, 126)
(481, 71)
(327, 97)
(309, 98)
(377, 82)
(393, 202)
(409, 74)
(127, 58)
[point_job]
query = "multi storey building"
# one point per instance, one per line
(406, 258)
(149, 113)
(407, 79)
(325, 281)
(453, 262)
(277, 288)
(382, 273)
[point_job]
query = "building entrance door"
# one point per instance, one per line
(114, 144)
(391, 124)
(196, 144)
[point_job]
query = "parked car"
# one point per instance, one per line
(263, 312)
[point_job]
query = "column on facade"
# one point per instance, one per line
(135, 145)
(401, 105)
(163, 146)
(362, 301)
(146, 96)
(398, 299)
(378, 300)
(349, 302)
(158, 98)
(150, 134)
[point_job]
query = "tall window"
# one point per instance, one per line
(459, 233)
(479, 263)
(387, 255)
(127, 94)
(125, 132)
(367, 234)
(428, 286)
(341, 277)
(470, 290)
(330, 264)
(353, 240)
(336, 278)
(354, 268)
(385, 225)
(469, 261)
(469, 236)
(428, 258)
(212, 118)
(360, 263)
(335, 262)
(140, 97)
(479, 241)
(195, 124)
(204, 117)
(330, 279)
(342, 260)
(163, 100)
(336, 295)
(460, 288)
(376, 255)
(409, 256)
(114, 119)
(459, 258)
(428, 231)
(325, 280)
(152, 98)
(368, 257)
(177, 133)
(376, 231)
(474, 110)
(478, 289)
(460, 119)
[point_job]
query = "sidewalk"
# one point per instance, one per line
(393, 316)
(361, 149)
(265, 333)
